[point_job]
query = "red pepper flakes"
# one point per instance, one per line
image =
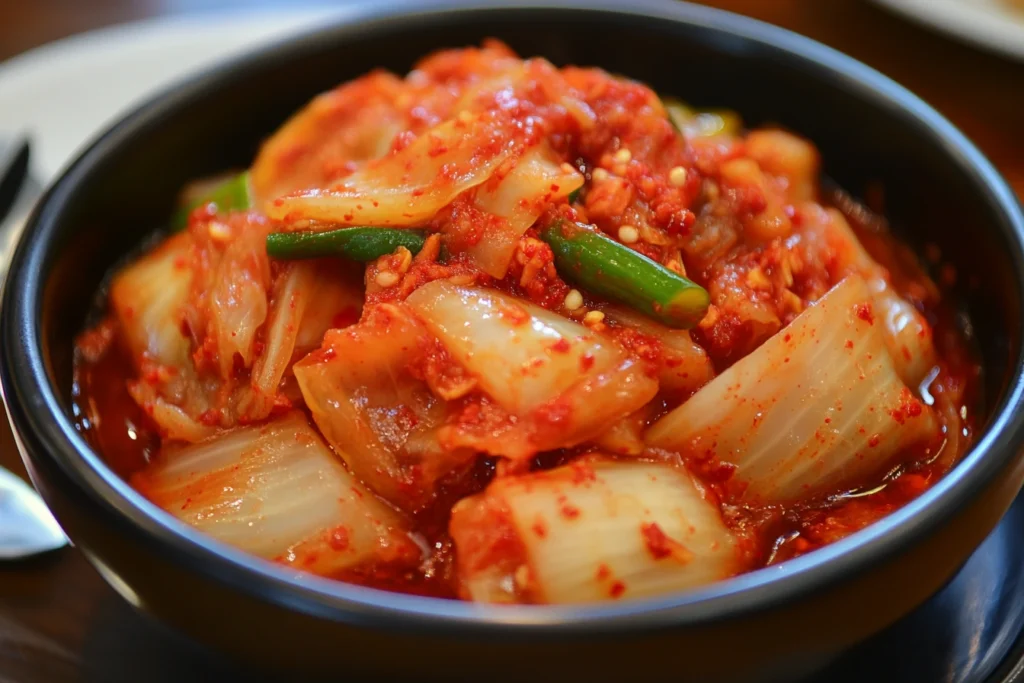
(515, 315)
(865, 312)
(655, 540)
(540, 527)
(556, 412)
(661, 546)
(338, 539)
(617, 589)
(909, 407)
(570, 511)
(623, 116)
(437, 148)
(402, 140)
(582, 473)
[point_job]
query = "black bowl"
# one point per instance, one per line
(771, 623)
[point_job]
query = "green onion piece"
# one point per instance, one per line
(359, 244)
(605, 267)
(232, 195)
(574, 195)
(701, 124)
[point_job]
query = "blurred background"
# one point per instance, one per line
(58, 620)
(966, 57)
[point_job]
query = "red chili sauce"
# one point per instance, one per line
(727, 210)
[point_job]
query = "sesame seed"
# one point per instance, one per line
(599, 175)
(219, 232)
(622, 156)
(593, 317)
(404, 259)
(386, 278)
(628, 234)
(677, 176)
(522, 576)
(573, 300)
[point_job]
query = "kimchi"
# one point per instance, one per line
(508, 332)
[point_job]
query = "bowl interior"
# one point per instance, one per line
(863, 137)
(125, 186)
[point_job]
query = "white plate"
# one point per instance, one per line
(991, 24)
(64, 93)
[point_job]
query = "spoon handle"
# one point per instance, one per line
(26, 525)
(14, 155)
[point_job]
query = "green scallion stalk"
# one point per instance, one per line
(358, 243)
(234, 194)
(608, 268)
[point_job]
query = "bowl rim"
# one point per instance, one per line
(47, 433)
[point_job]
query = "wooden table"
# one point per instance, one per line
(59, 622)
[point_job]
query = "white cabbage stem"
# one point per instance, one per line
(277, 491)
(594, 530)
(409, 187)
(563, 382)
(817, 407)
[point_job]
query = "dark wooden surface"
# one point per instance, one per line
(60, 623)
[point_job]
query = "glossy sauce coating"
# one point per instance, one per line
(740, 214)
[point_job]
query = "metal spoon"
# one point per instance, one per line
(14, 155)
(26, 526)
